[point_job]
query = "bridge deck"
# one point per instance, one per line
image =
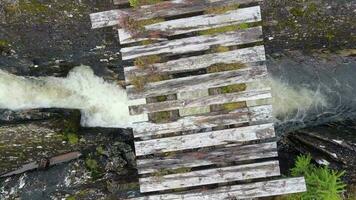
(197, 79)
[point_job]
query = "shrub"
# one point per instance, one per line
(322, 182)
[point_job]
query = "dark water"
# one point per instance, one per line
(328, 75)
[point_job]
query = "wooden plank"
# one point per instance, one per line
(245, 55)
(206, 157)
(105, 18)
(205, 139)
(159, 10)
(198, 23)
(210, 176)
(183, 96)
(247, 74)
(244, 191)
(250, 95)
(193, 44)
(251, 114)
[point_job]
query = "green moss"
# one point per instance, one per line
(233, 88)
(4, 46)
(161, 98)
(146, 22)
(224, 29)
(72, 138)
(163, 172)
(71, 198)
(234, 106)
(219, 67)
(219, 49)
(138, 3)
(297, 12)
(222, 9)
(100, 150)
(146, 61)
(139, 82)
(91, 164)
(161, 117)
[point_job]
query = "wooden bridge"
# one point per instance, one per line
(195, 73)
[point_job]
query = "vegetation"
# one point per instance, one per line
(138, 3)
(161, 117)
(230, 88)
(322, 182)
(234, 105)
(72, 138)
(139, 82)
(221, 10)
(219, 49)
(93, 166)
(220, 67)
(146, 61)
(224, 29)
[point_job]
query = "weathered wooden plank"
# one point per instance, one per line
(210, 176)
(245, 191)
(251, 73)
(193, 44)
(205, 139)
(197, 23)
(193, 95)
(245, 55)
(159, 10)
(251, 114)
(205, 157)
(202, 101)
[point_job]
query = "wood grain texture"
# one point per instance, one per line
(205, 157)
(205, 139)
(201, 101)
(244, 191)
(193, 44)
(159, 10)
(210, 176)
(205, 81)
(245, 55)
(251, 114)
(197, 23)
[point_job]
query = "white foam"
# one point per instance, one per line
(105, 104)
(101, 103)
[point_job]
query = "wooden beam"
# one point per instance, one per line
(201, 101)
(245, 55)
(244, 191)
(205, 157)
(193, 44)
(210, 176)
(197, 23)
(160, 10)
(205, 139)
(244, 115)
(205, 81)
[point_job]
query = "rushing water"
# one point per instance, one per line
(105, 104)
(325, 85)
(101, 103)
(306, 91)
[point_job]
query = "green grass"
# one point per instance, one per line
(322, 182)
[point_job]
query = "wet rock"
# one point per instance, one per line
(49, 37)
(332, 144)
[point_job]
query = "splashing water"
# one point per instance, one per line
(105, 104)
(101, 103)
